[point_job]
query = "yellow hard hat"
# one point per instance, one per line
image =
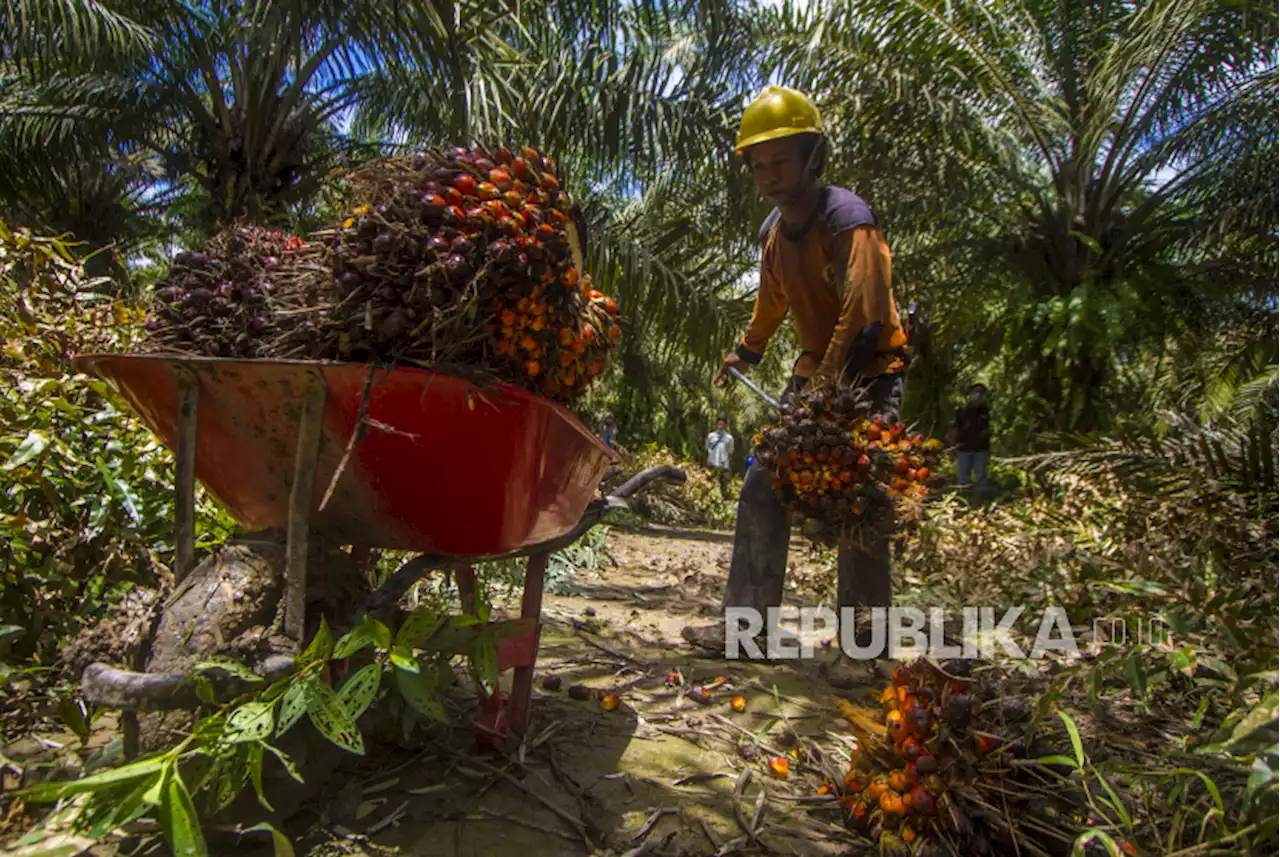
(777, 112)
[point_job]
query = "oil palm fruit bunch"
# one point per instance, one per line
(941, 770)
(218, 301)
(839, 468)
(471, 257)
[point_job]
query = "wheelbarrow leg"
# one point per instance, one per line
(530, 608)
(184, 517)
(491, 718)
(184, 481)
(310, 431)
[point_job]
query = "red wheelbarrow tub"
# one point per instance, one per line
(445, 466)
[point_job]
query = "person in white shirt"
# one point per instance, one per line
(719, 449)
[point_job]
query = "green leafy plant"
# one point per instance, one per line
(227, 748)
(88, 499)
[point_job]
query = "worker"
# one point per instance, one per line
(971, 436)
(608, 431)
(719, 451)
(824, 258)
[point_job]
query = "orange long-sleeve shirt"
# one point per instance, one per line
(836, 279)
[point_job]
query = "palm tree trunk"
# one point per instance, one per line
(449, 11)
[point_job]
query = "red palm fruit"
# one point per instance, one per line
(500, 177)
(537, 324)
(920, 723)
(479, 215)
(911, 475)
(508, 317)
(897, 432)
(522, 305)
(898, 781)
(615, 333)
(896, 724)
(578, 347)
(497, 208)
(610, 306)
(921, 802)
(566, 336)
(595, 367)
(550, 164)
(566, 357)
(545, 232)
(532, 367)
(503, 155)
(864, 461)
(435, 199)
(530, 154)
(527, 343)
(465, 184)
(922, 474)
(483, 163)
(548, 181)
(901, 466)
(563, 203)
(520, 167)
(503, 348)
(899, 485)
(589, 334)
(926, 764)
(984, 743)
(487, 190)
(911, 749)
(873, 432)
(514, 199)
(519, 218)
(507, 226)
(569, 279)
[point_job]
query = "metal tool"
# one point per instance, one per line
(761, 393)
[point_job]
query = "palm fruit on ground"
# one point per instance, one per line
(937, 775)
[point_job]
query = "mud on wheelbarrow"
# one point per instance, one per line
(390, 458)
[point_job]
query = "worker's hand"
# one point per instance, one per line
(731, 361)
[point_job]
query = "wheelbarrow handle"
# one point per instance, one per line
(761, 393)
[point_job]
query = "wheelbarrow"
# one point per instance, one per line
(454, 470)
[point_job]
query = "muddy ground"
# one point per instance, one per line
(661, 775)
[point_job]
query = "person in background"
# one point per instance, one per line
(971, 435)
(608, 432)
(824, 262)
(719, 450)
